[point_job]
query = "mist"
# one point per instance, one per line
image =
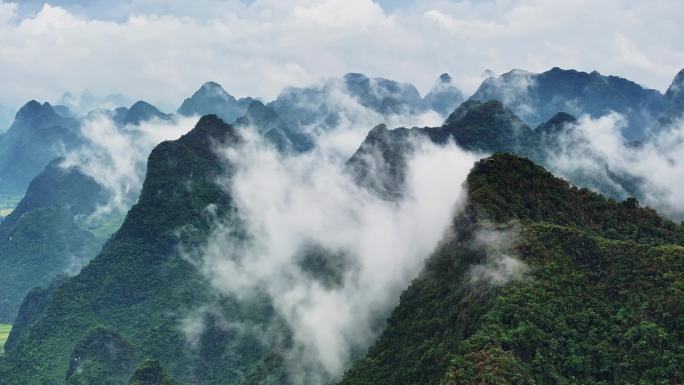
(116, 157)
(339, 118)
(371, 248)
(501, 265)
(595, 147)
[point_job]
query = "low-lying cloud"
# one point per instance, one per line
(595, 148)
(368, 250)
(500, 266)
(116, 157)
(338, 119)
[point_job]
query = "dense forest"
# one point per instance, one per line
(599, 300)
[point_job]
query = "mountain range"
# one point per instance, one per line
(134, 295)
(42, 132)
(586, 292)
(211, 98)
(537, 97)
(537, 281)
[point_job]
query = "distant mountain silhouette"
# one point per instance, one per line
(38, 135)
(211, 98)
(444, 96)
(537, 97)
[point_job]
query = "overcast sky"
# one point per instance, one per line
(162, 50)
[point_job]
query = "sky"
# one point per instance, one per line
(163, 50)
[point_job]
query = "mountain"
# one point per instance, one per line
(540, 283)
(675, 92)
(382, 95)
(558, 123)
(537, 97)
(353, 99)
(139, 290)
(211, 98)
(142, 111)
(486, 128)
(31, 307)
(461, 317)
(46, 235)
(380, 161)
(444, 96)
(674, 97)
(38, 135)
(272, 128)
(139, 112)
(303, 111)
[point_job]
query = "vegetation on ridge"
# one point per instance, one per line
(601, 302)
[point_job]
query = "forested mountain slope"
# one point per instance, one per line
(129, 303)
(47, 235)
(542, 283)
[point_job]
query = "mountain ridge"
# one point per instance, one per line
(537, 97)
(454, 325)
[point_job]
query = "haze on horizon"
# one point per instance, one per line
(161, 51)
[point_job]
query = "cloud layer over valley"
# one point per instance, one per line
(331, 256)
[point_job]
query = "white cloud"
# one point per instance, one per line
(162, 51)
(116, 157)
(596, 148)
(500, 266)
(288, 203)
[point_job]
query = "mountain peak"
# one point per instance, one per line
(557, 123)
(211, 88)
(488, 74)
(142, 105)
(677, 85)
(462, 110)
(444, 95)
(259, 113)
(355, 77)
(537, 97)
(141, 111)
(32, 109)
(211, 98)
(213, 92)
(210, 85)
(518, 72)
(562, 117)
